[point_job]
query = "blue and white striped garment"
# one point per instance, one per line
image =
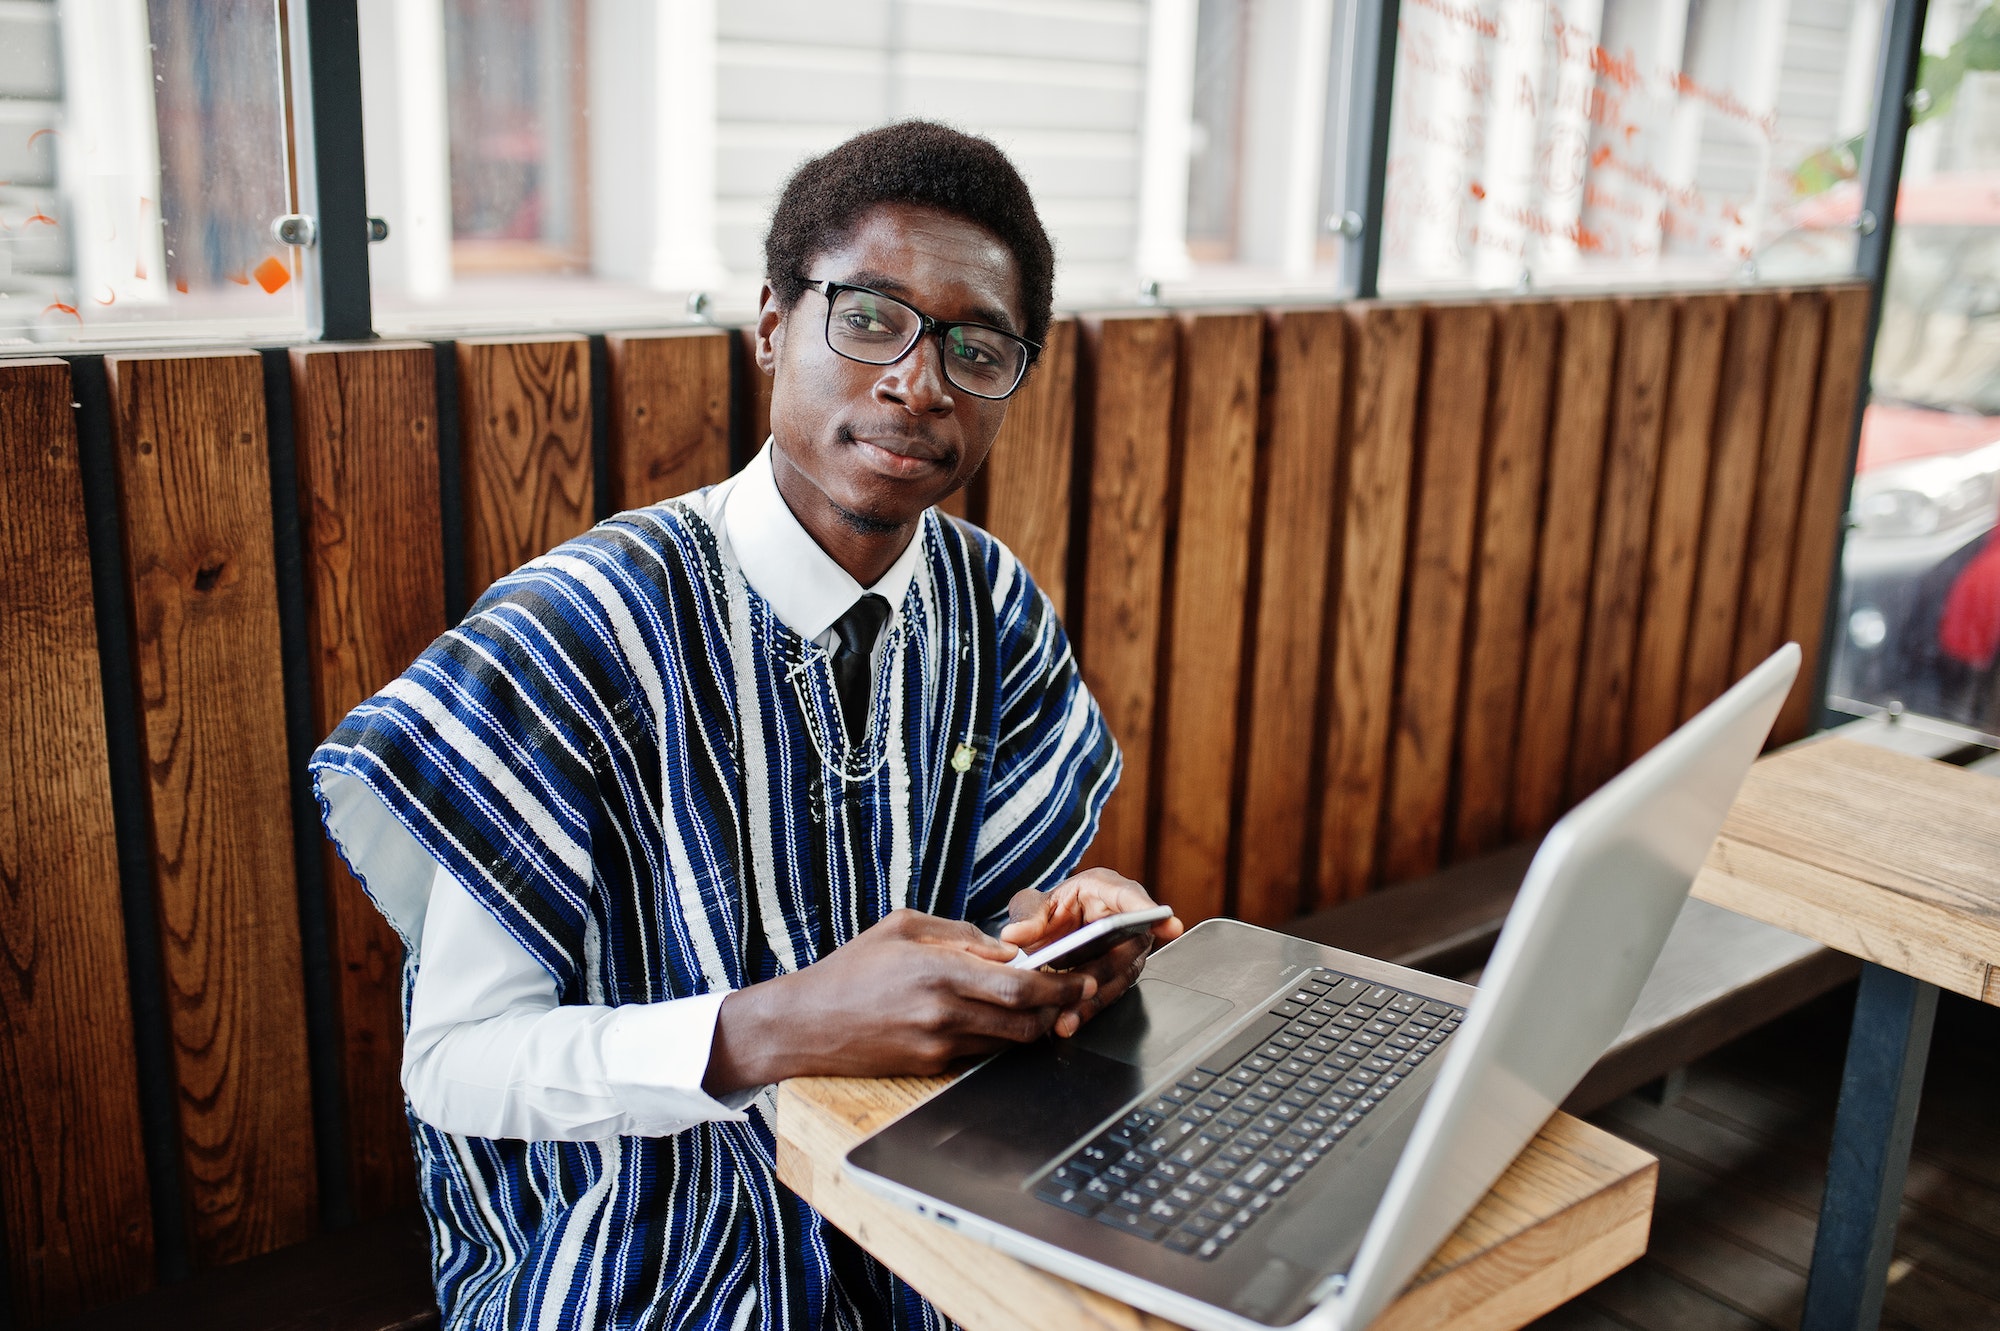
(628, 758)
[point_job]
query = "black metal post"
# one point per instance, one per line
(325, 59)
(1881, 177)
(1367, 149)
(1879, 1090)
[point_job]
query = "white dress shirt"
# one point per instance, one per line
(490, 1052)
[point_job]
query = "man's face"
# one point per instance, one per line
(872, 446)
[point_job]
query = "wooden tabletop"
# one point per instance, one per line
(1575, 1207)
(1888, 857)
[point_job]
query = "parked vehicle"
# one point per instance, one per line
(1920, 604)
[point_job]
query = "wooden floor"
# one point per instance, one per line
(1743, 1151)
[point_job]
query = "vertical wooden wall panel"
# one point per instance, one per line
(1624, 522)
(366, 431)
(195, 494)
(1027, 476)
(1368, 593)
(1132, 439)
(1445, 506)
(73, 1197)
(1220, 371)
(1562, 575)
(1677, 516)
(1305, 358)
(753, 388)
(1767, 571)
(524, 423)
(669, 409)
(1822, 501)
(1509, 527)
(1732, 487)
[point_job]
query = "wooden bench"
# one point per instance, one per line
(374, 1276)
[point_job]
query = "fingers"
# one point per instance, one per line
(1016, 989)
(915, 926)
(1114, 972)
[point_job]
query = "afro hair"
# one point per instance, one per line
(915, 162)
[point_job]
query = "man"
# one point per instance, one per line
(706, 798)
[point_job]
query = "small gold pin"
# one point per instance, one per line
(961, 758)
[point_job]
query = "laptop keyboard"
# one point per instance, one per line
(1205, 1160)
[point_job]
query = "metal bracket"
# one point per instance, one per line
(295, 229)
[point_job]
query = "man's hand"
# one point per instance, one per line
(1039, 918)
(911, 995)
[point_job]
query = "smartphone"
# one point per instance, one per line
(1093, 940)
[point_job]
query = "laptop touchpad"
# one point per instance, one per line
(1151, 1024)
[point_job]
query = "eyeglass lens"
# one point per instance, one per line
(875, 329)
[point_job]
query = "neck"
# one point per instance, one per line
(865, 549)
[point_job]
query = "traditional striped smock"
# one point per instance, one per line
(628, 758)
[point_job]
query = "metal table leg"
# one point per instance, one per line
(1884, 1077)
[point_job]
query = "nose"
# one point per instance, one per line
(916, 383)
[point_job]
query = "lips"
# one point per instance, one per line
(897, 453)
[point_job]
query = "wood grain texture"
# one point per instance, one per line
(1509, 527)
(1298, 472)
(1573, 1208)
(1887, 857)
(73, 1196)
(1445, 503)
(1823, 498)
(1131, 451)
(1732, 488)
(524, 422)
(194, 490)
(1563, 568)
(1027, 475)
(1767, 570)
(1624, 523)
(366, 439)
(1367, 594)
(1681, 493)
(669, 407)
(1220, 371)
(753, 393)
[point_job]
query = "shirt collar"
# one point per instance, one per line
(785, 565)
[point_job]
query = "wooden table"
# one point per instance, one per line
(1896, 860)
(1575, 1207)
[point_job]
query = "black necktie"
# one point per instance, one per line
(852, 676)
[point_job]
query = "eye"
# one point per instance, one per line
(971, 352)
(864, 318)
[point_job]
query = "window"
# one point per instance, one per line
(1536, 143)
(1920, 611)
(143, 162)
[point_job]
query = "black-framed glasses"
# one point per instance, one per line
(868, 326)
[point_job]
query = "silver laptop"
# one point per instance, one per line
(1269, 1132)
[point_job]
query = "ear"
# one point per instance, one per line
(770, 331)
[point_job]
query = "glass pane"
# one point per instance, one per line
(1606, 142)
(1920, 612)
(143, 161)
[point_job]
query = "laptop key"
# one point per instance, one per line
(1296, 1067)
(1101, 1189)
(1203, 1180)
(1349, 990)
(1286, 1010)
(1437, 1009)
(1070, 1199)
(1200, 1225)
(1406, 1003)
(1182, 1195)
(1182, 1241)
(1299, 1099)
(1378, 996)
(1218, 1210)
(1069, 1176)
(1167, 1212)
(1287, 1041)
(1214, 1102)
(1220, 1061)
(1131, 1222)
